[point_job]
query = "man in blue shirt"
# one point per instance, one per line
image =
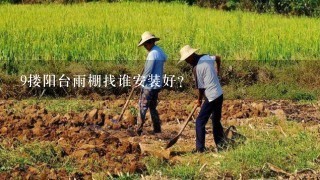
(151, 81)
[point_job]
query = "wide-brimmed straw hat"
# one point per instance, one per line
(185, 52)
(147, 36)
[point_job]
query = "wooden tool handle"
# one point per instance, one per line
(128, 100)
(126, 104)
(188, 119)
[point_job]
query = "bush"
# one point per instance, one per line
(294, 7)
(291, 7)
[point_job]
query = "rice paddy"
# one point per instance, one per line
(111, 31)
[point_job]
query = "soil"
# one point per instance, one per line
(95, 134)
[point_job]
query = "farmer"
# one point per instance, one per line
(151, 81)
(207, 83)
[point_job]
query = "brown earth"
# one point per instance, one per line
(95, 135)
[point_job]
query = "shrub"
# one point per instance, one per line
(294, 7)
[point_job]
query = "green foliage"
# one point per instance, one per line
(293, 148)
(64, 106)
(33, 154)
(46, 152)
(101, 31)
(99, 38)
(120, 176)
(297, 7)
(9, 159)
(304, 96)
(293, 7)
(133, 111)
(178, 171)
(294, 151)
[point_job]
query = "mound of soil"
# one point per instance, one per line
(82, 136)
(283, 109)
(96, 135)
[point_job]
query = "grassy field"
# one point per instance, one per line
(102, 38)
(293, 149)
(111, 31)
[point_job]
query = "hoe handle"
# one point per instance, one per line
(175, 139)
(128, 100)
(188, 119)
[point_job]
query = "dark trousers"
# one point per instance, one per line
(148, 100)
(213, 108)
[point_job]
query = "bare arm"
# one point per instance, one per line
(200, 96)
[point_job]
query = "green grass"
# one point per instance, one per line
(64, 105)
(33, 154)
(102, 31)
(270, 91)
(101, 38)
(158, 167)
(295, 149)
(119, 176)
(293, 152)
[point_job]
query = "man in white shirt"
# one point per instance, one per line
(207, 82)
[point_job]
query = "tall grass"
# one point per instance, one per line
(102, 31)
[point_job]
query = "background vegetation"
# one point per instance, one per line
(290, 7)
(102, 31)
(264, 55)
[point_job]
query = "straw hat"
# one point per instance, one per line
(185, 52)
(147, 36)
